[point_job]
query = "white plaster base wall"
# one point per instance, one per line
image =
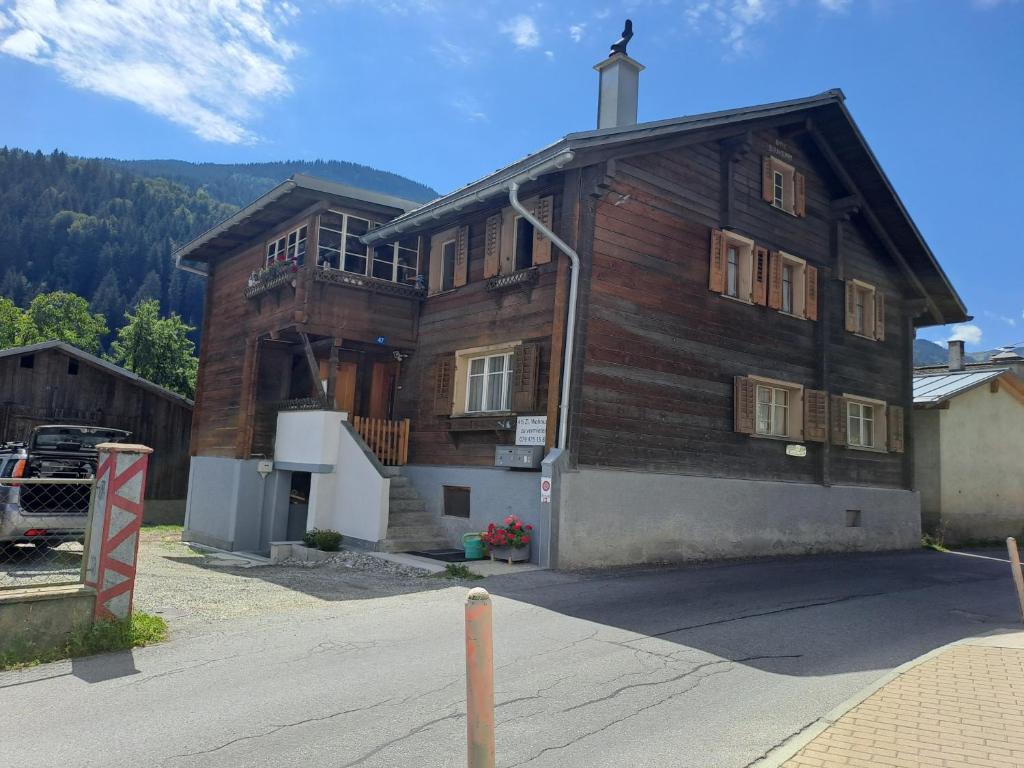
(609, 517)
(354, 498)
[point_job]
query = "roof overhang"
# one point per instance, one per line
(286, 200)
(830, 119)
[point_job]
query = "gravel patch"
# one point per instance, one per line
(359, 561)
(193, 591)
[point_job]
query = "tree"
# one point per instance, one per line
(157, 348)
(65, 317)
(108, 299)
(12, 324)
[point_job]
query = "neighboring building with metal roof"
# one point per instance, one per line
(968, 429)
(55, 383)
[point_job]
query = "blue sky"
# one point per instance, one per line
(445, 91)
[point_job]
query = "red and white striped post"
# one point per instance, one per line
(479, 680)
(112, 543)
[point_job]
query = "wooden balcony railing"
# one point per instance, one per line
(389, 440)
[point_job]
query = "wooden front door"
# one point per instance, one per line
(382, 387)
(344, 385)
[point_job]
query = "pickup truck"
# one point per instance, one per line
(49, 515)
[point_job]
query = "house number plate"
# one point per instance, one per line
(796, 450)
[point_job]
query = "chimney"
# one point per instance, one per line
(618, 85)
(956, 355)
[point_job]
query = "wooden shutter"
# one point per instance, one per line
(716, 274)
(799, 195)
(461, 256)
(767, 181)
(838, 409)
(492, 246)
(879, 316)
(759, 295)
(541, 244)
(743, 405)
(895, 428)
(815, 415)
(851, 306)
(434, 274)
(775, 280)
(444, 384)
(810, 292)
(525, 366)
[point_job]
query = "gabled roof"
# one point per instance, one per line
(287, 199)
(830, 118)
(97, 362)
(935, 388)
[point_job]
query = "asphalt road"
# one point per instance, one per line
(707, 666)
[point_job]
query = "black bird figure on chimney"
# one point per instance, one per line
(619, 46)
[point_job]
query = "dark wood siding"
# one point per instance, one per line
(661, 350)
(48, 394)
(469, 317)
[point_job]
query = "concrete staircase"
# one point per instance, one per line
(410, 525)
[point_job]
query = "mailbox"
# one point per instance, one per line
(518, 456)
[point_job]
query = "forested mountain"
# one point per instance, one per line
(105, 230)
(241, 183)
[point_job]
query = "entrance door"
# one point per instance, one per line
(382, 386)
(344, 385)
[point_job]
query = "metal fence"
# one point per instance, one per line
(44, 524)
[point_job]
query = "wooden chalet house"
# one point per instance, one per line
(707, 322)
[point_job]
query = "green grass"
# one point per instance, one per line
(458, 571)
(934, 541)
(162, 528)
(140, 629)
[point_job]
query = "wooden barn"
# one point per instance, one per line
(681, 339)
(55, 383)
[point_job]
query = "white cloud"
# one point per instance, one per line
(451, 54)
(523, 31)
(207, 65)
(734, 20)
(576, 31)
(966, 332)
(469, 109)
(1010, 321)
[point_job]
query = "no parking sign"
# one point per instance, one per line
(545, 490)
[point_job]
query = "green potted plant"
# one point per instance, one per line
(509, 541)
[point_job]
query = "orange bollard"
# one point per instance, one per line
(1018, 577)
(479, 680)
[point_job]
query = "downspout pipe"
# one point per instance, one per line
(570, 325)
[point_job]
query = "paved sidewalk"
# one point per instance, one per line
(961, 707)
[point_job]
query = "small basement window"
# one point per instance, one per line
(72, 367)
(456, 501)
(27, 361)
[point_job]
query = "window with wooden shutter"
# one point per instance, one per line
(492, 246)
(716, 275)
(759, 295)
(895, 428)
(743, 405)
(775, 280)
(811, 292)
(815, 415)
(461, 256)
(444, 372)
(767, 179)
(879, 316)
(525, 367)
(851, 306)
(838, 419)
(799, 195)
(541, 244)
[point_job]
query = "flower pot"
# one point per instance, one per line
(511, 554)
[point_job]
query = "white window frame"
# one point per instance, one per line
(794, 431)
(460, 395)
(879, 438)
(779, 399)
(867, 329)
(745, 267)
(788, 174)
(282, 245)
(799, 285)
(371, 251)
(506, 387)
(396, 249)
